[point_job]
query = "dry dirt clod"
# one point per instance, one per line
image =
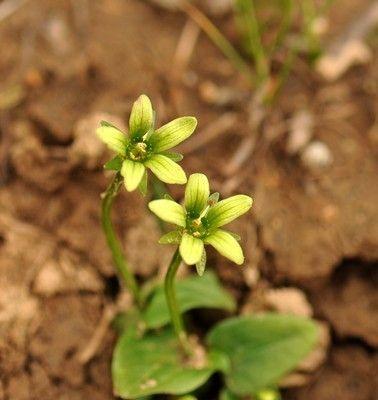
(11, 96)
(64, 273)
(349, 49)
(87, 150)
(48, 168)
(350, 374)
(58, 35)
(145, 235)
(350, 303)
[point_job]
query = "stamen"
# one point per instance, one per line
(138, 151)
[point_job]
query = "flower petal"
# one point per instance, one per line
(197, 192)
(173, 237)
(191, 249)
(133, 173)
(112, 137)
(201, 265)
(229, 209)
(165, 169)
(173, 133)
(226, 245)
(169, 211)
(141, 117)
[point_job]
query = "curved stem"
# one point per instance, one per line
(170, 294)
(122, 265)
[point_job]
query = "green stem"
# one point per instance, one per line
(122, 265)
(217, 38)
(173, 307)
(247, 19)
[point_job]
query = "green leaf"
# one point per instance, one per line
(173, 133)
(227, 245)
(261, 348)
(152, 364)
(112, 137)
(132, 173)
(166, 169)
(191, 249)
(173, 237)
(188, 397)
(192, 292)
(197, 193)
(176, 157)
(141, 117)
(168, 211)
(229, 209)
(201, 265)
(114, 164)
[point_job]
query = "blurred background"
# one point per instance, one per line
(285, 93)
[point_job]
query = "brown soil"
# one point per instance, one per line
(312, 228)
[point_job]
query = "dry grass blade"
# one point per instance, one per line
(184, 49)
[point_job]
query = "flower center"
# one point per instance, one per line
(196, 227)
(137, 151)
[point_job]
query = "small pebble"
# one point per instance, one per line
(300, 131)
(316, 155)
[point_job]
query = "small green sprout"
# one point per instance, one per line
(146, 147)
(199, 222)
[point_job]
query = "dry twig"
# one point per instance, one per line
(217, 128)
(184, 49)
(9, 7)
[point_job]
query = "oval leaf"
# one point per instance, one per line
(152, 364)
(261, 348)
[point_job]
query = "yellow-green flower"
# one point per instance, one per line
(199, 221)
(146, 148)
